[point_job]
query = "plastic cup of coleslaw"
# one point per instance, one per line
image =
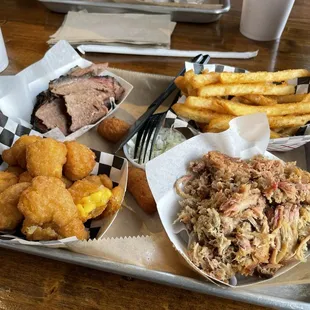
(166, 139)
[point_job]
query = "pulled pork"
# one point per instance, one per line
(247, 216)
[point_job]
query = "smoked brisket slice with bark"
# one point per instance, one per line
(66, 85)
(86, 108)
(50, 112)
(75, 100)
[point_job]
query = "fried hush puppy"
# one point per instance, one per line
(16, 155)
(10, 216)
(7, 179)
(46, 158)
(15, 169)
(49, 211)
(80, 161)
(25, 177)
(101, 179)
(91, 198)
(113, 129)
(140, 190)
(115, 202)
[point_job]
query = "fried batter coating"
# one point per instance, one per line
(67, 182)
(113, 129)
(90, 197)
(140, 190)
(101, 179)
(25, 177)
(46, 158)
(80, 161)
(7, 179)
(115, 201)
(17, 153)
(15, 169)
(49, 211)
(9, 157)
(10, 217)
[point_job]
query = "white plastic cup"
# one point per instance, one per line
(4, 61)
(264, 20)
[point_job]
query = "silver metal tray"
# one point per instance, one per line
(191, 15)
(279, 297)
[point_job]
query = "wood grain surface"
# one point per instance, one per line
(29, 282)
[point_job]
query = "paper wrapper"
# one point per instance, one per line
(133, 29)
(237, 141)
(18, 94)
(134, 235)
(114, 166)
(302, 86)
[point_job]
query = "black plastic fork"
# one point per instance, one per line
(147, 135)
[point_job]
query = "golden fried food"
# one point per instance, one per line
(91, 198)
(244, 89)
(17, 153)
(46, 157)
(10, 216)
(80, 161)
(49, 211)
(25, 177)
(113, 129)
(239, 109)
(7, 179)
(203, 103)
(15, 169)
(262, 76)
(140, 190)
(200, 115)
(9, 157)
(66, 181)
(115, 202)
(101, 179)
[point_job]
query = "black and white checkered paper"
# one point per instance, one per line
(302, 86)
(114, 166)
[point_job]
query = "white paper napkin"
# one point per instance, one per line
(138, 29)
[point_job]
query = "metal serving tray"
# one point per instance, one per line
(278, 297)
(191, 15)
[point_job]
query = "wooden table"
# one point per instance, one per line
(29, 282)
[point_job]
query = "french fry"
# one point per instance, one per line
(181, 84)
(286, 132)
(288, 121)
(205, 71)
(219, 123)
(198, 115)
(239, 109)
(306, 98)
(203, 103)
(288, 98)
(245, 89)
(260, 100)
(260, 77)
(200, 80)
(241, 99)
(274, 135)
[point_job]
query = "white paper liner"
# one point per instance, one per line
(128, 50)
(237, 141)
(18, 94)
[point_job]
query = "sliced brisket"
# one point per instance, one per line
(86, 108)
(49, 113)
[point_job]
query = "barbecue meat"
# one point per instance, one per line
(50, 112)
(94, 69)
(246, 216)
(75, 100)
(86, 108)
